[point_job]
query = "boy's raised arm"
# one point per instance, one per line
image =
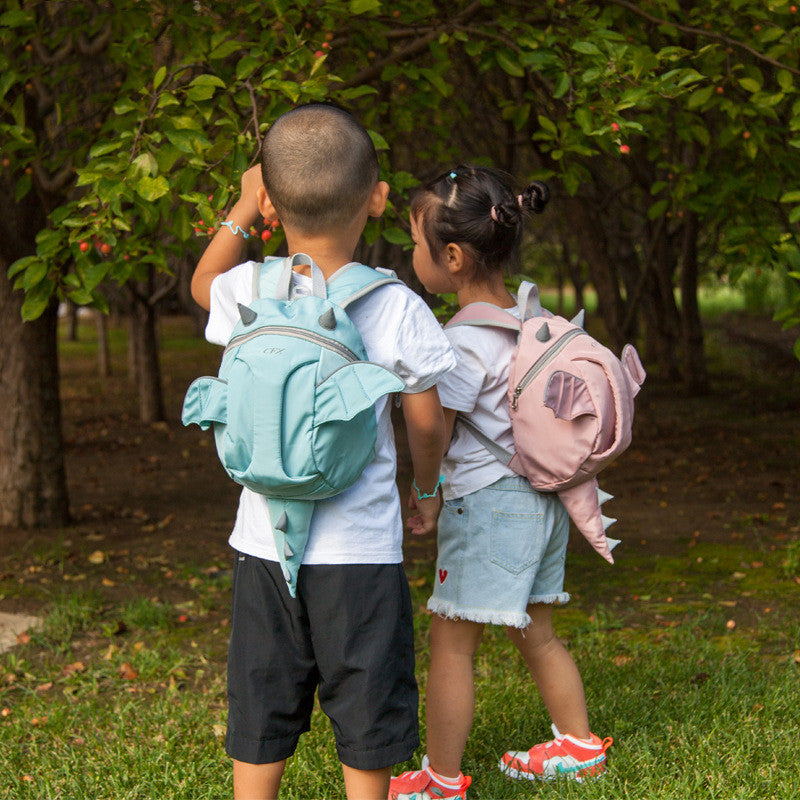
(225, 249)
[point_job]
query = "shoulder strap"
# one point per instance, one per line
(500, 453)
(528, 301)
(484, 314)
(353, 281)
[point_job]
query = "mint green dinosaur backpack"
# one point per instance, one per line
(293, 404)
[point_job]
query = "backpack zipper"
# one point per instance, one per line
(541, 362)
(297, 333)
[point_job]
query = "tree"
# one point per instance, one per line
(663, 176)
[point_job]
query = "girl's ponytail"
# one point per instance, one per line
(534, 197)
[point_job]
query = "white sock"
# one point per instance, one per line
(450, 783)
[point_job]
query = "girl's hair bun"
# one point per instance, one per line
(506, 214)
(535, 196)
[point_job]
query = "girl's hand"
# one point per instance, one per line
(424, 521)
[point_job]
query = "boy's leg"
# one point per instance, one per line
(257, 781)
(552, 668)
(366, 784)
(450, 696)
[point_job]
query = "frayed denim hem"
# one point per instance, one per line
(449, 610)
(560, 599)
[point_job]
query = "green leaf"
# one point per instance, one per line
(657, 209)
(587, 48)
(562, 85)
(37, 299)
(20, 265)
(509, 65)
(750, 85)
(15, 19)
(152, 188)
(700, 97)
(23, 187)
(791, 197)
(103, 148)
(225, 49)
(362, 6)
(397, 236)
(158, 78)
(548, 125)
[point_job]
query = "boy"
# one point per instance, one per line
(349, 631)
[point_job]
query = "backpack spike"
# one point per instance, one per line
(247, 314)
(603, 497)
(579, 319)
(287, 551)
(280, 525)
(327, 320)
(607, 521)
(543, 334)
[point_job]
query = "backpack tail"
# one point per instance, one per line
(583, 506)
(291, 520)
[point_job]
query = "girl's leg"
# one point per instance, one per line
(552, 668)
(450, 696)
(366, 784)
(257, 781)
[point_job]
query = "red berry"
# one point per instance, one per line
(210, 231)
(746, 135)
(83, 246)
(183, 618)
(614, 126)
(326, 45)
(105, 248)
(266, 235)
(198, 230)
(624, 149)
(6, 162)
(319, 54)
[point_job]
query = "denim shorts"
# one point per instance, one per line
(500, 549)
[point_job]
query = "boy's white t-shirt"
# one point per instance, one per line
(361, 525)
(478, 389)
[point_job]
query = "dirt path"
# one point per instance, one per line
(146, 500)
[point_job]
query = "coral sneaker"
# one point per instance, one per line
(425, 784)
(561, 757)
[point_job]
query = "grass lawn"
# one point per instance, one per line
(128, 701)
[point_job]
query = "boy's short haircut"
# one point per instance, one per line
(319, 166)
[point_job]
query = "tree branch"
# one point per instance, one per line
(374, 70)
(703, 33)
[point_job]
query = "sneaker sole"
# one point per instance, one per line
(516, 775)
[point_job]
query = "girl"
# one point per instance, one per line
(502, 545)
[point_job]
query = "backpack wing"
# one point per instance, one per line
(352, 389)
(206, 401)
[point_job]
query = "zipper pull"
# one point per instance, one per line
(517, 393)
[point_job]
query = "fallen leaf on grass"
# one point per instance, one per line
(108, 582)
(730, 624)
(23, 638)
(219, 730)
(98, 557)
(44, 687)
(128, 672)
(796, 656)
(71, 669)
(5, 712)
(621, 661)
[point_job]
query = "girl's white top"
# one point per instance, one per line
(362, 525)
(478, 389)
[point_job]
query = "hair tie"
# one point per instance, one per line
(520, 200)
(493, 212)
(452, 176)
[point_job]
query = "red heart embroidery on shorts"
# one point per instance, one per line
(442, 575)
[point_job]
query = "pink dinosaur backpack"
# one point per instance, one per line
(570, 403)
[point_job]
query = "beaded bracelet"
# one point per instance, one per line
(234, 229)
(422, 495)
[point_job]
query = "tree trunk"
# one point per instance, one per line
(148, 367)
(695, 374)
(33, 486)
(103, 352)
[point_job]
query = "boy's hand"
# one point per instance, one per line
(428, 512)
(247, 204)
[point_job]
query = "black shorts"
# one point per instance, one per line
(348, 633)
